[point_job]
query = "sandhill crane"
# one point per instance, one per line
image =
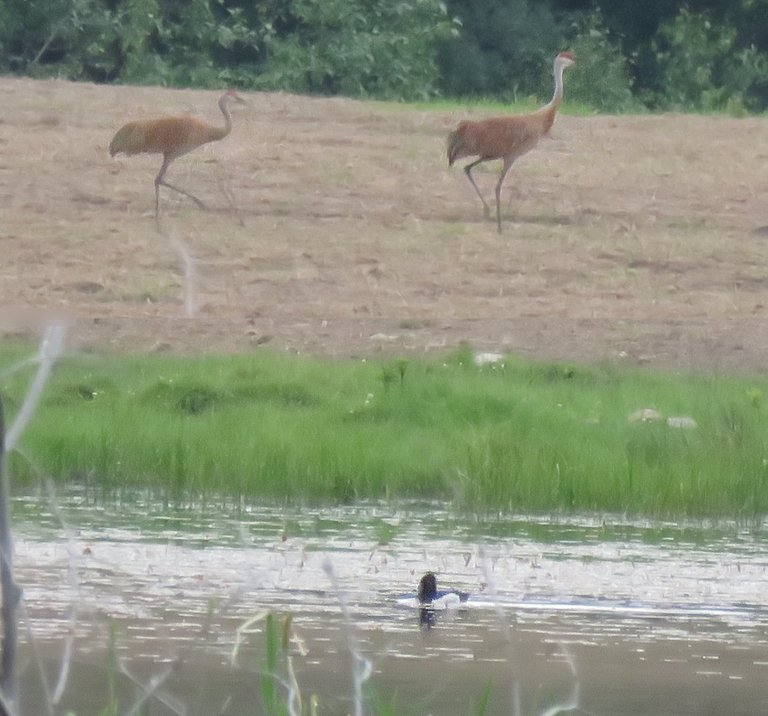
(505, 138)
(172, 137)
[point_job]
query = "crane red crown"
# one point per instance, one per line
(568, 55)
(234, 96)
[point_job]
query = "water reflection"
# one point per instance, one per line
(657, 618)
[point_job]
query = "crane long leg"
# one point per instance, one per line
(186, 193)
(504, 170)
(160, 179)
(468, 172)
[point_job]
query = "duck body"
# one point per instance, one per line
(429, 595)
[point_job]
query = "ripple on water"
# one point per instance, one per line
(182, 579)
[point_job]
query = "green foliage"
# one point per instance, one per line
(601, 77)
(505, 49)
(356, 48)
(140, 41)
(510, 436)
(385, 532)
(280, 692)
(113, 707)
(701, 65)
(270, 692)
(481, 708)
(69, 36)
(706, 55)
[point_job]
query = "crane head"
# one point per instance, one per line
(231, 95)
(566, 59)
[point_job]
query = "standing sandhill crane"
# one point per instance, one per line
(172, 137)
(505, 138)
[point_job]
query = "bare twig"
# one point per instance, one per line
(516, 706)
(18, 365)
(294, 692)
(11, 592)
(290, 685)
(74, 583)
(50, 348)
(229, 195)
(47, 42)
(189, 268)
(37, 659)
(151, 691)
(572, 702)
(246, 628)
(361, 667)
(190, 275)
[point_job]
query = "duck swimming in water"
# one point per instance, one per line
(428, 593)
(430, 599)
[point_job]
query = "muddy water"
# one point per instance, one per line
(613, 616)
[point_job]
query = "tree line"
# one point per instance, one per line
(700, 55)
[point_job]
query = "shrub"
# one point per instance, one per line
(701, 66)
(357, 48)
(601, 78)
(504, 49)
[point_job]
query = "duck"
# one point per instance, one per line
(429, 596)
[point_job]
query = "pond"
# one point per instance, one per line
(603, 615)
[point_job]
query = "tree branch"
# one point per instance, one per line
(10, 591)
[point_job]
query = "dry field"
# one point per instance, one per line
(335, 228)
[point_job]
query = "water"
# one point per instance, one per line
(622, 617)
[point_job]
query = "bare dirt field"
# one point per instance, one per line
(336, 228)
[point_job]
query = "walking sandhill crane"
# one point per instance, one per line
(505, 138)
(172, 137)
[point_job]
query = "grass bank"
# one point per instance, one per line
(511, 436)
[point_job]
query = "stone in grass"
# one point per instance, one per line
(481, 359)
(644, 415)
(651, 415)
(684, 422)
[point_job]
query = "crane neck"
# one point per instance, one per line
(557, 97)
(222, 132)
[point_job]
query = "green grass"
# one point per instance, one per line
(494, 106)
(490, 105)
(522, 437)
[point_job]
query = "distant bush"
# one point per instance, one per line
(700, 65)
(356, 48)
(601, 77)
(63, 37)
(504, 50)
(140, 41)
(665, 57)
(350, 47)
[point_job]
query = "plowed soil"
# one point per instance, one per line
(335, 228)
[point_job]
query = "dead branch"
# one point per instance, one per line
(11, 592)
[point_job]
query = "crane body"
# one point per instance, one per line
(172, 137)
(506, 137)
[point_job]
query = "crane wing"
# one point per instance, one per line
(509, 136)
(496, 137)
(166, 135)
